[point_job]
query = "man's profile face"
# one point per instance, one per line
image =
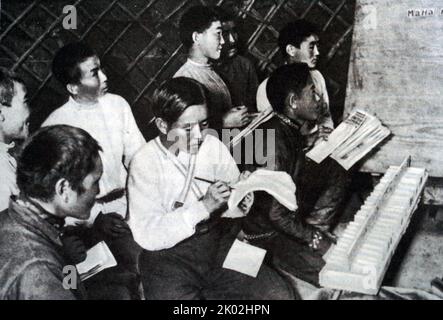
(211, 40)
(189, 130)
(307, 104)
(230, 37)
(81, 205)
(93, 82)
(308, 52)
(16, 115)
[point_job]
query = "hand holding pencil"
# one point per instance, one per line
(216, 196)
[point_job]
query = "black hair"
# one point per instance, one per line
(7, 79)
(53, 153)
(290, 78)
(225, 14)
(174, 96)
(196, 19)
(295, 33)
(65, 65)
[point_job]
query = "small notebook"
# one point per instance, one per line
(98, 258)
(244, 258)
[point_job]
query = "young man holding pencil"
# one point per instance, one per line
(178, 188)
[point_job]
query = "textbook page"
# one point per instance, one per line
(98, 258)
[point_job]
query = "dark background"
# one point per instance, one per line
(138, 43)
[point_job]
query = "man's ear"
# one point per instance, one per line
(63, 190)
(161, 125)
(291, 50)
(291, 100)
(195, 36)
(2, 116)
(72, 88)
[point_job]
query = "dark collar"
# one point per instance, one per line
(288, 121)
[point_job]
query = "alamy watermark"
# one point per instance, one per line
(256, 148)
(70, 20)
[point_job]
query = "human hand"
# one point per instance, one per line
(246, 203)
(111, 225)
(244, 175)
(236, 118)
(74, 248)
(216, 196)
(324, 132)
(320, 242)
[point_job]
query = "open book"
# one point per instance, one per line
(278, 184)
(351, 140)
(98, 258)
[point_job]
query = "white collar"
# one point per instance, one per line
(201, 65)
(5, 147)
(78, 105)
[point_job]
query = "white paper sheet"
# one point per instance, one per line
(244, 258)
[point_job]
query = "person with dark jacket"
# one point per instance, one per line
(34, 264)
(292, 244)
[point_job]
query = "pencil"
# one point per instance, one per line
(209, 181)
(204, 180)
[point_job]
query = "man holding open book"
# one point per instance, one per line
(292, 244)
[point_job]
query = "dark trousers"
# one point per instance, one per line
(292, 256)
(321, 192)
(121, 282)
(193, 269)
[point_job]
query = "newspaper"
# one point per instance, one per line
(351, 140)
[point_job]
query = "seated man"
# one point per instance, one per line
(201, 34)
(299, 42)
(182, 221)
(108, 118)
(14, 114)
(236, 70)
(292, 244)
(57, 175)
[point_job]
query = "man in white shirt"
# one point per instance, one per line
(299, 42)
(108, 119)
(201, 33)
(14, 115)
(182, 221)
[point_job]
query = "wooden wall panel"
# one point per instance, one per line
(396, 72)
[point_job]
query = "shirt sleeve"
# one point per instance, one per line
(41, 281)
(133, 139)
(325, 118)
(155, 227)
(226, 170)
(5, 194)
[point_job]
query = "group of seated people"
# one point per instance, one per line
(88, 175)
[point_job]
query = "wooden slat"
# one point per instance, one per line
(128, 26)
(396, 73)
(18, 20)
(40, 39)
(13, 57)
(159, 72)
(263, 15)
(334, 15)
